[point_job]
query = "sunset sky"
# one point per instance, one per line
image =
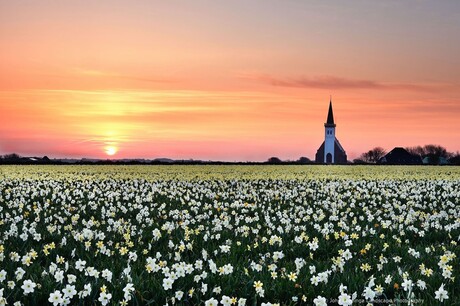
(226, 80)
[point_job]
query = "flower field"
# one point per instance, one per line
(229, 235)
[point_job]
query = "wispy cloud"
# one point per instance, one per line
(107, 74)
(334, 82)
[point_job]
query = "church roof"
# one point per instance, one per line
(330, 116)
(340, 155)
(400, 156)
(337, 143)
(337, 146)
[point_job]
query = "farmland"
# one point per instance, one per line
(229, 235)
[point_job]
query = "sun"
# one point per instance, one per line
(110, 150)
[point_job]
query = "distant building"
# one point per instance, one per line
(400, 156)
(428, 160)
(330, 151)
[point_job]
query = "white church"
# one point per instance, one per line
(330, 151)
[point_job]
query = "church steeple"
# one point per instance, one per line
(330, 152)
(330, 116)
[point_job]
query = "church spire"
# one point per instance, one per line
(330, 115)
(330, 152)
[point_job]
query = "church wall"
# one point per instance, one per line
(340, 156)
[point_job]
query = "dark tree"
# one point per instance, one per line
(304, 160)
(455, 158)
(373, 156)
(418, 151)
(434, 153)
(274, 160)
(12, 157)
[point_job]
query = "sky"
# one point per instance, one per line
(240, 80)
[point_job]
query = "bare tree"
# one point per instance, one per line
(433, 152)
(12, 156)
(455, 158)
(373, 156)
(418, 151)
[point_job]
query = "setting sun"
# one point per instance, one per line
(111, 150)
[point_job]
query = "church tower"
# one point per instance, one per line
(330, 151)
(329, 139)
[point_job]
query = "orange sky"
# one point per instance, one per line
(239, 80)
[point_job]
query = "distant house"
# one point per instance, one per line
(400, 156)
(428, 160)
(330, 151)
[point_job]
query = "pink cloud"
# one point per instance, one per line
(334, 82)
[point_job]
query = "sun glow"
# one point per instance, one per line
(111, 150)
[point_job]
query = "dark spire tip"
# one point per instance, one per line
(330, 115)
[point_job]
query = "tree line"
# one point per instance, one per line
(431, 154)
